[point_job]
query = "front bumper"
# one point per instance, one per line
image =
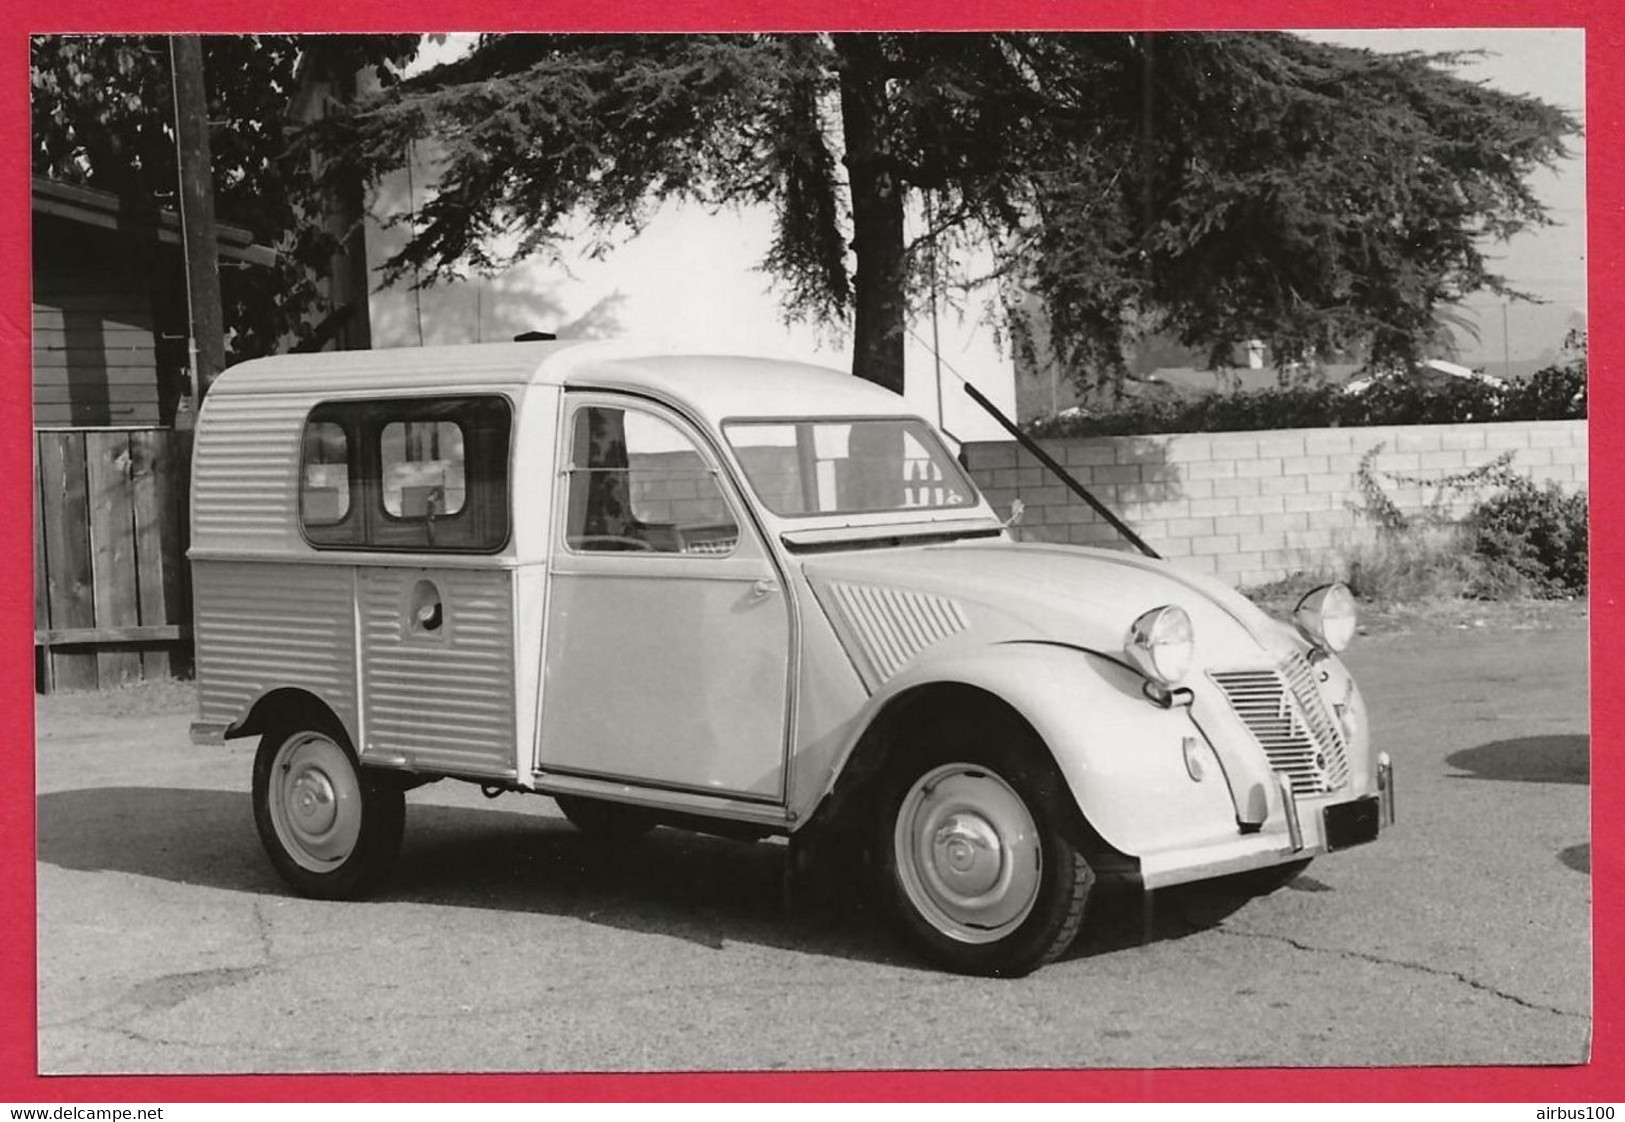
(1297, 831)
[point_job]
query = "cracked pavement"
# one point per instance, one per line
(508, 942)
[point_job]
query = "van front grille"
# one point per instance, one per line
(1285, 712)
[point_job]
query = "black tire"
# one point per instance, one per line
(961, 784)
(331, 827)
(601, 819)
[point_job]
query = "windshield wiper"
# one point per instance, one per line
(1061, 473)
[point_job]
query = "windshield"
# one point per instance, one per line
(868, 466)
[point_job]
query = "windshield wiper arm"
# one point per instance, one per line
(1061, 473)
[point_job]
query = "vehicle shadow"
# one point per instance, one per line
(1122, 919)
(1527, 759)
(707, 891)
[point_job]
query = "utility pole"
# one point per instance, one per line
(936, 338)
(207, 342)
(206, 331)
(1506, 345)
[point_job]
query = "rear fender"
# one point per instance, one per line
(286, 703)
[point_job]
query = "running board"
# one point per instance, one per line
(769, 816)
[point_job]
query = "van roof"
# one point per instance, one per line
(714, 386)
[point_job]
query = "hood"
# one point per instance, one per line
(1001, 591)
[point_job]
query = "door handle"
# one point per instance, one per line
(762, 589)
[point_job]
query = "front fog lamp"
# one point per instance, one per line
(1326, 617)
(1160, 644)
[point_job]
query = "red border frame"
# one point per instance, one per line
(1600, 1081)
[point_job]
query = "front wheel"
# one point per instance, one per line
(331, 828)
(978, 856)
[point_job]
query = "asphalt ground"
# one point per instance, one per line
(509, 942)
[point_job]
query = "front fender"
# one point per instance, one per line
(1121, 755)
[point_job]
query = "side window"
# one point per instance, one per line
(423, 468)
(411, 474)
(324, 475)
(638, 484)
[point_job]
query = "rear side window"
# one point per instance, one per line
(424, 468)
(324, 475)
(417, 474)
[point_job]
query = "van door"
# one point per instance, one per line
(668, 633)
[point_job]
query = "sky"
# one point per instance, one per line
(1548, 63)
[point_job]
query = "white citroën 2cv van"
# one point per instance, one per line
(743, 596)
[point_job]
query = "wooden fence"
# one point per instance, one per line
(111, 595)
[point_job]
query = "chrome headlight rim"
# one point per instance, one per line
(1327, 617)
(1161, 644)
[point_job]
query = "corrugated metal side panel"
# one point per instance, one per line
(444, 699)
(261, 627)
(244, 471)
(891, 626)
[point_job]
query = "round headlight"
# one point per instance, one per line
(1327, 616)
(1160, 643)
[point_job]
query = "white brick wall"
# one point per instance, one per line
(1256, 507)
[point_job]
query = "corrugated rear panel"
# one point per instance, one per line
(446, 699)
(244, 468)
(262, 627)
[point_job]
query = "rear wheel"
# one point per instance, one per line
(331, 828)
(602, 819)
(978, 850)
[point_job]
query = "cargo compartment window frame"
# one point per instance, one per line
(482, 524)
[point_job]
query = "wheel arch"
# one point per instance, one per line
(886, 725)
(285, 704)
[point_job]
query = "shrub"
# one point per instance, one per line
(1530, 539)
(1554, 394)
(1414, 567)
(1522, 540)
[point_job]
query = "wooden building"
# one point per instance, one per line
(109, 378)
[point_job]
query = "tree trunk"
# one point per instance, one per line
(328, 79)
(879, 292)
(346, 221)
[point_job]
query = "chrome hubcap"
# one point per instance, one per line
(967, 852)
(314, 804)
(315, 801)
